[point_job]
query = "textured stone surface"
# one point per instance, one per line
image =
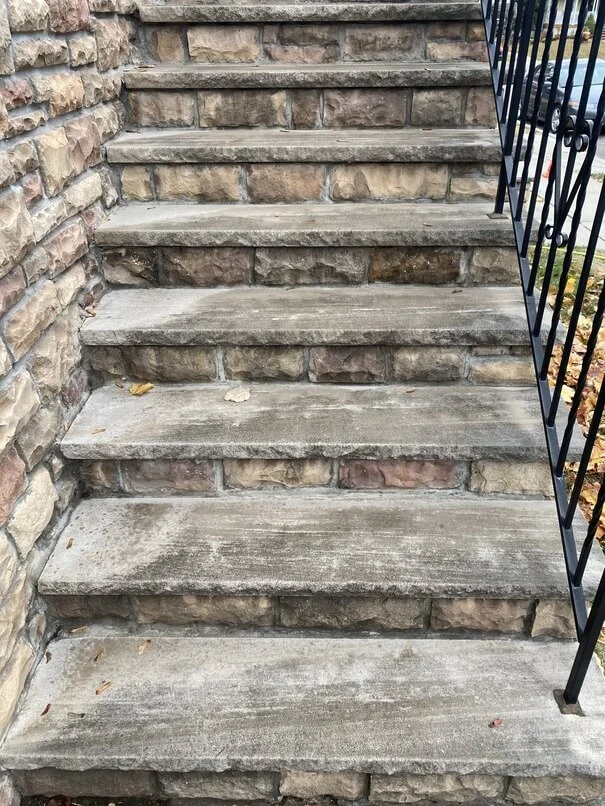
(496, 266)
(230, 610)
(564, 789)
(63, 91)
(427, 364)
(369, 612)
(202, 183)
(310, 266)
(376, 182)
(445, 788)
(554, 619)
(207, 267)
(287, 183)
(167, 478)
(400, 710)
(68, 15)
(347, 365)
(258, 473)
(415, 265)
(113, 783)
(480, 614)
(350, 785)
(16, 230)
(18, 402)
(12, 482)
(162, 108)
(55, 159)
(369, 474)
(33, 511)
(27, 15)
(13, 679)
(242, 108)
(223, 44)
(27, 322)
(263, 363)
(230, 785)
(529, 478)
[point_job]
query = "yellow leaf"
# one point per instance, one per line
(144, 646)
(238, 395)
(138, 389)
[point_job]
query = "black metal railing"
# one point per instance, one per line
(549, 86)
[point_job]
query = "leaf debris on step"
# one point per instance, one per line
(238, 395)
(79, 629)
(495, 723)
(46, 710)
(138, 389)
(144, 646)
(105, 684)
(99, 654)
(69, 543)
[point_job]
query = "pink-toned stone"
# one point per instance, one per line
(168, 477)
(68, 15)
(65, 247)
(12, 482)
(84, 143)
(370, 474)
(12, 288)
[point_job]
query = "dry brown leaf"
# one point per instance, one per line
(105, 684)
(138, 389)
(69, 543)
(238, 395)
(99, 655)
(98, 430)
(46, 710)
(495, 723)
(144, 646)
(48, 655)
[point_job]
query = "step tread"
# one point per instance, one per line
(310, 315)
(301, 420)
(295, 11)
(314, 224)
(266, 703)
(327, 544)
(321, 145)
(338, 74)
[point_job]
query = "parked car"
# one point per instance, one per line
(596, 89)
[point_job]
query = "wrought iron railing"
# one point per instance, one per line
(549, 87)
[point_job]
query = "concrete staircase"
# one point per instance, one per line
(318, 560)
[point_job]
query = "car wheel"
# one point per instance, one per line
(555, 120)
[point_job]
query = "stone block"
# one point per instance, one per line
(82, 194)
(507, 370)
(12, 289)
(437, 107)
(33, 512)
(305, 106)
(407, 474)
(223, 43)
(365, 108)
(456, 51)
(56, 354)
(494, 265)
(16, 230)
(207, 267)
(554, 619)
(484, 615)
(33, 189)
(465, 188)
(163, 108)
(66, 246)
(230, 785)
(113, 43)
(8, 565)
(87, 783)
(15, 92)
(429, 364)
(250, 474)
(165, 43)
(159, 363)
(297, 784)
(313, 266)
(516, 478)
(264, 363)
(480, 109)
(578, 789)
(38, 436)
(8, 792)
(137, 183)
(168, 476)
(21, 124)
(394, 42)
(252, 611)
(426, 265)
(107, 120)
(447, 788)
(23, 158)
(130, 267)
(368, 612)
(18, 403)
(42, 52)
(27, 15)
(63, 91)
(27, 321)
(389, 181)
(82, 50)
(47, 217)
(242, 108)
(347, 365)
(201, 183)
(68, 15)
(7, 173)
(13, 680)
(285, 182)
(12, 484)
(55, 160)
(101, 476)
(84, 142)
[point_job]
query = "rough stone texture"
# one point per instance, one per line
(13, 679)
(167, 478)
(362, 182)
(349, 785)
(162, 108)
(367, 108)
(55, 159)
(528, 478)
(431, 364)
(285, 183)
(165, 43)
(33, 512)
(433, 266)
(446, 788)
(27, 322)
(27, 15)
(507, 370)
(229, 785)
(495, 266)
(113, 783)
(258, 473)
(16, 230)
(202, 183)
(369, 612)
(480, 614)
(554, 619)
(370, 474)
(223, 44)
(309, 266)
(63, 91)
(347, 365)
(40, 53)
(18, 402)
(12, 482)
(68, 15)
(242, 108)
(137, 183)
(229, 610)
(264, 363)
(565, 789)
(207, 267)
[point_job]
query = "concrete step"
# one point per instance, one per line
(318, 11)
(339, 561)
(309, 96)
(374, 334)
(471, 718)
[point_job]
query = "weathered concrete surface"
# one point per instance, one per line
(374, 315)
(300, 420)
(253, 703)
(330, 544)
(321, 145)
(295, 10)
(346, 224)
(343, 74)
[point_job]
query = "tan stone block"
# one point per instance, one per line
(63, 91)
(12, 483)
(20, 124)
(431, 364)
(16, 230)
(12, 681)
(7, 64)
(82, 194)
(224, 43)
(160, 363)
(137, 183)
(242, 108)
(27, 15)
(463, 188)
(207, 267)
(448, 788)
(349, 785)
(113, 43)
(33, 189)
(312, 266)
(107, 120)
(84, 142)
(389, 181)
(8, 566)
(13, 614)
(389, 42)
(252, 611)
(445, 29)
(68, 15)
(368, 612)
(480, 107)
(4, 124)
(407, 474)
(92, 82)
(555, 619)
(520, 478)
(165, 44)
(101, 476)
(347, 365)
(33, 512)
(66, 246)
(485, 615)
(163, 108)
(7, 174)
(305, 105)
(47, 218)
(38, 436)
(18, 402)
(264, 363)
(15, 92)
(23, 158)
(42, 52)
(509, 370)
(5, 360)
(437, 107)
(285, 182)
(577, 789)
(365, 108)
(55, 160)
(56, 354)
(456, 51)
(426, 265)
(82, 50)
(31, 318)
(204, 183)
(494, 265)
(12, 289)
(130, 267)
(250, 474)
(230, 785)
(168, 476)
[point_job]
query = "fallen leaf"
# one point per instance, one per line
(75, 715)
(144, 646)
(48, 655)
(119, 384)
(98, 430)
(69, 543)
(103, 687)
(409, 391)
(99, 655)
(495, 723)
(78, 629)
(46, 710)
(238, 395)
(138, 389)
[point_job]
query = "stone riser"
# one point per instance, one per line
(264, 788)
(337, 108)
(207, 267)
(162, 477)
(315, 43)
(369, 611)
(329, 364)
(259, 183)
